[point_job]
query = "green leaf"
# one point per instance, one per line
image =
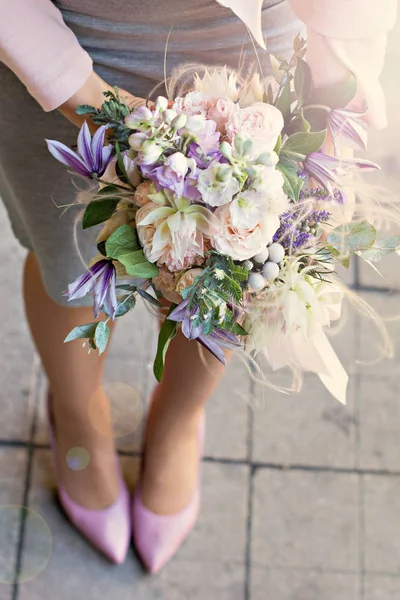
(102, 336)
(137, 265)
(99, 211)
(293, 184)
(316, 117)
(143, 270)
(381, 248)
(270, 95)
(238, 330)
(123, 241)
(304, 143)
(239, 273)
(85, 109)
(352, 237)
(125, 305)
(101, 247)
(278, 145)
(337, 95)
(167, 333)
(302, 82)
(283, 102)
(362, 236)
(298, 125)
(83, 331)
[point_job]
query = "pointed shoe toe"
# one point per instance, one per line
(109, 530)
(158, 537)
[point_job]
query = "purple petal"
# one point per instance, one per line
(348, 112)
(349, 128)
(359, 163)
(66, 156)
(85, 283)
(319, 158)
(189, 330)
(97, 148)
(105, 158)
(84, 149)
(316, 165)
(208, 342)
(110, 300)
(224, 337)
(180, 312)
(102, 287)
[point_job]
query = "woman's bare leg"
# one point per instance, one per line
(75, 379)
(171, 449)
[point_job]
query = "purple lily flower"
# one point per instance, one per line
(328, 170)
(344, 122)
(214, 341)
(100, 280)
(92, 157)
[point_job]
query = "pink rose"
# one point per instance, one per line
(261, 123)
(170, 237)
(187, 278)
(194, 103)
(142, 192)
(165, 283)
(171, 259)
(242, 242)
(221, 111)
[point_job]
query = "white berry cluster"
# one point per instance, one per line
(264, 266)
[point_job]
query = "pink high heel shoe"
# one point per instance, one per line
(109, 529)
(158, 537)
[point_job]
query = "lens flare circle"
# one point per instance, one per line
(37, 543)
(78, 458)
(127, 409)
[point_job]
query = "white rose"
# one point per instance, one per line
(261, 123)
(194, 103)
(217, 185)
(269, 182)
(238, 241)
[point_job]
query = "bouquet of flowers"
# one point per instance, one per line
(225, 203)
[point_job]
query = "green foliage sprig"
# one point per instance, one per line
(215, 292)
(112, 112)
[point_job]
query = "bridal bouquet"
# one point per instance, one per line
(225, 203)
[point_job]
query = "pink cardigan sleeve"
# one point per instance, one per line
(350, 35)
(42, 51)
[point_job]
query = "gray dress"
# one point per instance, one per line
(126, 39)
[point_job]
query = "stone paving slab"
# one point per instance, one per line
(305, 519)
(282, 584)
(310, 428)
(381, 587)
(382, 523)
(379, 423)
(372, 347)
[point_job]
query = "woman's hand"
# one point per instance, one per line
(92, 93)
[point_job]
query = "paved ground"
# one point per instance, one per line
(301, 496)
